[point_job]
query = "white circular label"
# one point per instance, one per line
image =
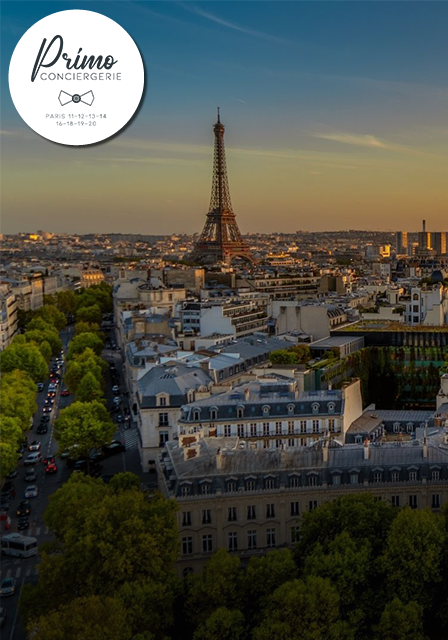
(76, 77)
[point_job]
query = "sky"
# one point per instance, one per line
(335, 115)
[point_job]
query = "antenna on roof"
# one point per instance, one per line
(218, 116)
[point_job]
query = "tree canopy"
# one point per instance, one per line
(26, 357)
(85, 341)
(85, 424)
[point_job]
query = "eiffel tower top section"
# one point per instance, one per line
(220, 198)
(220, 240)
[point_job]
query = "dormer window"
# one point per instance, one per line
(290, 408)
(196, 414)
(266, 409)
(240, 412)
(213, 414)
(331, 407)
(315, 407)
(396, 427)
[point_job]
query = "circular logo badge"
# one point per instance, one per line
(76, 77)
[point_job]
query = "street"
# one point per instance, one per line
(26, 570)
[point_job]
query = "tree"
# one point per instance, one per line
(89, 314)
(45, 349)
(89, 389)
(11, 436)
(86, 425)
(83, 363)
(217, 586)
(93, 617)
(412, 558)
(18, 397)
(25, 357)
(47, 335)
(282, 356)
(52, 315)
(124, 482)
(66, 302)
(401, 622)
(303, 610)
(302, 353)
(85, 341)
(223, 624)
(86, 327)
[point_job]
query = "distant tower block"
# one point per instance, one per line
(220, 240)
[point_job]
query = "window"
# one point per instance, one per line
(291, 428)
(290, 408)
(331, 425)
(162, 402)
(270, 537)
(195, 415)
(291, 442)
(252, 539)
(186, 519)
(294, 481)
(250, 485)
(227, 431)
(312, 505)
(239, 413)
(233, 541)
(163, 437)
(295, 509)
(265, 428)
(241, 433)
(205, 488)
(303, 426)
(331, 407)
(395, 501)
(231, 514)
(315, 407)
(315, 426)
(278, 428)
(207, 543)
(187, 546)
(253, 430)
(435, 474)
(396, 427)
(395, 476)
(435, 501)
(354, 478)
(312, 481)
(186, 572)
(377, 476)
(163, 419)
(231, 486)
(269, 483)
(270, 511)
(295, 534)
(206, 516)
(251, 512)
(336, 479)
(266, 410)
(412, 476)
(213, 414)
(185, 490)
(413, 501)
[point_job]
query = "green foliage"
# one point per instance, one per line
(86, 327)
(11, 436)
(89, 389)
(90, 314)
(51, 315)
(83, 363)
(124, 482)
(223, 624)
(401, 622)
(48, 335)
(298, 354)
(85, 424)
(110, 545)
(18, 397)
(45, 349)
(25, 357)
(100, 295)
(85, 341)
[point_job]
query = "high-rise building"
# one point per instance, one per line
(440, 242)
(401, 242)
(220, 240)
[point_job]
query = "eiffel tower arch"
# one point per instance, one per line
(220, 240)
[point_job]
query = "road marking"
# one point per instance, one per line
(18, 572)
(8, 573)
(28, 572)
(15, 617)
(37, 531)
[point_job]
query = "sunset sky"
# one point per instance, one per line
(335, 114)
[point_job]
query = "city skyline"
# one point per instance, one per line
(334, 119)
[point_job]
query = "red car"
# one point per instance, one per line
(65, 393)
(49, 460)
(51, 468)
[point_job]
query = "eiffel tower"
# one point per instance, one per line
(220, 240)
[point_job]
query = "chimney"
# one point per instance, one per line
(425, 448)
(424, 226)
(366, 449)
(246, 393)
(219, 459)
(325, 452)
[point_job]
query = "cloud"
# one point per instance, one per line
(163, 161)
(367, 140)
(235, 27)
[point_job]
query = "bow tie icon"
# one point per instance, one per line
(64, 98)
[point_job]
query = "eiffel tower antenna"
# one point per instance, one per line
(220, 240)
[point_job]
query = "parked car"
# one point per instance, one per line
(49, 460)
(23, 523)
(32, 458)
(24, 509)
(35, 446)
(30, 475)
(8, 490)
(13, 474)
(65, 393)
(31, 491)
(40, 386)
(4, 504)
(45, 418)
(115, 389)
(114, 447)
(8, 587)
(42, 428)
(51, 468)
